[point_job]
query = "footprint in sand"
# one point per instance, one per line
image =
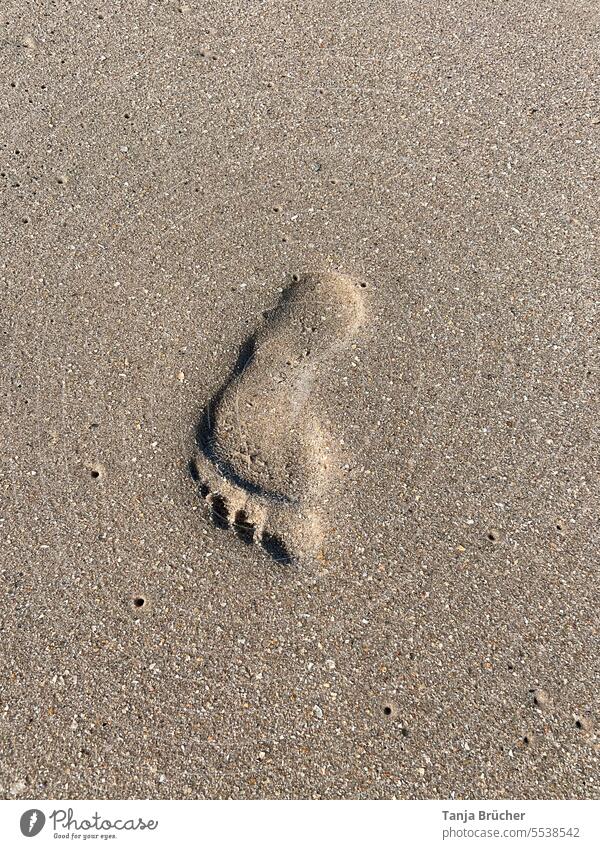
(263, 460)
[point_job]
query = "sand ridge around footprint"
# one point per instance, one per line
(263, 459)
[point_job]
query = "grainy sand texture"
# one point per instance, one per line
(299, 426)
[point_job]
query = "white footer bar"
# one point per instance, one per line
(307, 824)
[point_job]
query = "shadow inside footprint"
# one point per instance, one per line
(219, 512)
(276, 548)
(243, 527)
(205, 436)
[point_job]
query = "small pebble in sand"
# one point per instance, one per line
(541, 698)
(17, 787)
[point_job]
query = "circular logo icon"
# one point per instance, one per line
(32, 822)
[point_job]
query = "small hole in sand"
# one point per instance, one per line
(95, 473)
(493, 535)
(578, 724)
(220, 512)
(363, 285)
(295, 278)
(390, 710)
(139, 601)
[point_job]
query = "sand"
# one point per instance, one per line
(372, 575)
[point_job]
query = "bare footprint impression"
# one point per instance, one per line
(263, 459)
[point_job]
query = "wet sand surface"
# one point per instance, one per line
(171, 170)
